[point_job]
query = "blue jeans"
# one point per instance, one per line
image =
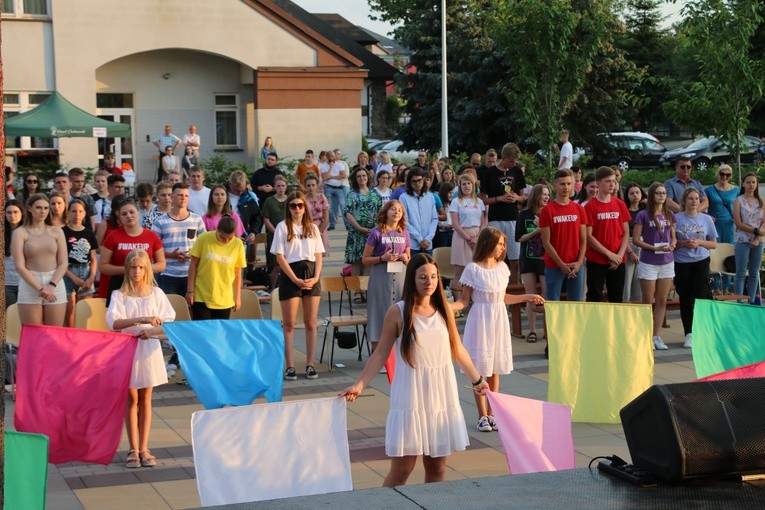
(336, 197)
(748, 258)
(173, 284)
(554, 279)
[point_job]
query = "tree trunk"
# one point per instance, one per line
(2, 283)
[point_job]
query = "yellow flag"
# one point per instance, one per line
(601, 357)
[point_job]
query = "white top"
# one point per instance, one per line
(334, 174)
(300, 248)
(469, 211)
(194, 139)
(567, 151)
(388, 167)
(198, 200)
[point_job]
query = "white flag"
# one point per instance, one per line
(271, 451)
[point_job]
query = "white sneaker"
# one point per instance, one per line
(658, 344)
(484, 425)
(688, 341)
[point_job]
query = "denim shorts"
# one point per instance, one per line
(80, 271)
(655, 272)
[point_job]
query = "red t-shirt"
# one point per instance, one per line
(607, 220)
(121, 244)
(564, 222)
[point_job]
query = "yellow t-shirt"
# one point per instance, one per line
(216, 270)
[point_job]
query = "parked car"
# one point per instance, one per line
(627, 150)
(710, 151)
(378, 144)
(393, 147)
(541, 155)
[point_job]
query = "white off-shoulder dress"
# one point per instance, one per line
(148, 363)
(425, 416)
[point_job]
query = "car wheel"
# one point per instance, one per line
(623, 164)
(701, 164)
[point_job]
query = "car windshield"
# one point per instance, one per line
(702, 143)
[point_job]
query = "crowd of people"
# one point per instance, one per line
(585, 236)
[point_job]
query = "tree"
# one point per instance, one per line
(646, 45)
(719, 102)
(552, 45)
(479, 112)
(2, 281)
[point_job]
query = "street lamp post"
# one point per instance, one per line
(444, 115)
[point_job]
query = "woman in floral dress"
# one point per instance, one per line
(361, 208)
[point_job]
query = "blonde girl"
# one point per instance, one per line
(468, 215)
(140, 308)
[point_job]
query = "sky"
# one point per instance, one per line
(358, 12)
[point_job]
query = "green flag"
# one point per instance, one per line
(601, 357)
(26, 470)
(726, 336)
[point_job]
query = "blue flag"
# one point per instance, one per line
(230, 362)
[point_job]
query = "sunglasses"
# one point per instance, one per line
(685, 167)
(297, 205)
(725, 175)
(32, 181)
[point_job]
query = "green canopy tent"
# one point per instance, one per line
(56, 117)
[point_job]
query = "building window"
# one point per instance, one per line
(21, 8)
(226, 120)
(15, 103)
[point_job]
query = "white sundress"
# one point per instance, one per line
(487, 329)
(425, 416)
(148, 363)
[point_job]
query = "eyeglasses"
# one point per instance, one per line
(727, 176)
(685, 167)
(415, 181)
(296, 205)
(659, 192)
(32, 181)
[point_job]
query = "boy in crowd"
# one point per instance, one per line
(607, 237)
(564, 235)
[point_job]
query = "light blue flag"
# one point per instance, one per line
(230, 362)
(726, 336)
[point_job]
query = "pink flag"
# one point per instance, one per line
(536, 435)
(72, 386)
(745, 372)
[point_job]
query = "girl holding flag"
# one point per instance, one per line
(422, 331)
(140, 308)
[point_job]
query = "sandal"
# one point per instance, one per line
(531, 338)
(147, 459)
(133, 459)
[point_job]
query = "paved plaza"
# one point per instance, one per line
(171, 484)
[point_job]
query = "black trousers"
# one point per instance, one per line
(691, 283)
(200, 312)
(597, 275)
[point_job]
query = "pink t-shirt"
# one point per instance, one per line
(211, 223)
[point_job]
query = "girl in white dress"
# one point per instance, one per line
(425, 416)
(487, 330)
(140, 308)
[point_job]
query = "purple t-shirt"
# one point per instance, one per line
(652, 235)
(388, 242)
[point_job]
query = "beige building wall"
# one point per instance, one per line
(283, 124)
(24, 43)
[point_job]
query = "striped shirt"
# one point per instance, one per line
(178, 235)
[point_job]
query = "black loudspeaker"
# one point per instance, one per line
(679, 432)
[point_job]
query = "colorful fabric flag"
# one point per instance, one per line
(230, 362)
(535, 435)
(72, 386)
(26, 470)
(271, 451)
(601, 357)
(726, 336)
(745, 372)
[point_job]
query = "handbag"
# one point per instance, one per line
(346, 339)
(730, 264)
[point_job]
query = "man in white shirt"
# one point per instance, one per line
(199, 194)
(336, 186)
(191, 139)
(566, 153)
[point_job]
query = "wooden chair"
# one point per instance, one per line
(13, 339)
(276, 310)
(91, 314)
(182, 312)
(443, 258)
(250, 306)
(261, 238)
(342, 286)
(717, 258)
